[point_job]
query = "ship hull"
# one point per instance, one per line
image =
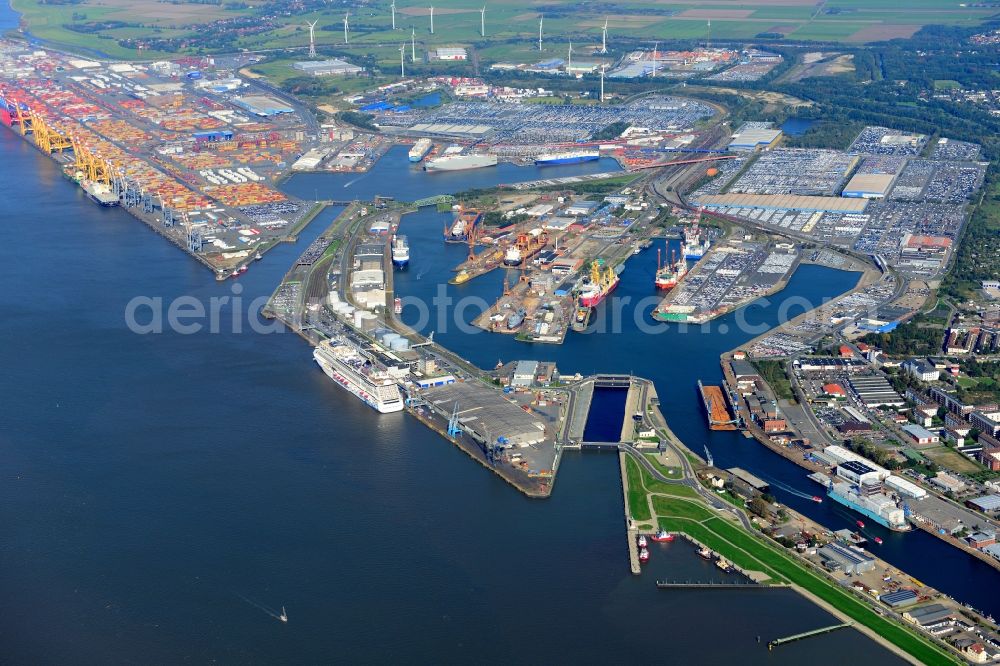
(567, 160)
(400, 263)
(345, 382)
(591, 301)
(868, 513)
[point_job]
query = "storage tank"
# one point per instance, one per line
(381, 333)
(389, 339)
(400, 344)
(365, 320)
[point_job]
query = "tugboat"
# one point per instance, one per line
(724, 564)
(642, 541)
(397, 305)
(644, 556)
(284, 615)
(878, 540)
(861, 524)
(817, 499)
(662, 536)
(705, 553)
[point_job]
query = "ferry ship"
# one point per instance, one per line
(400, 251)
(420, 150)
(571, 157)
(878, 506)
(602, 283)
(460, 162)
(346, 365)
(670, 274)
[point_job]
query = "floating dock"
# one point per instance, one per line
(716, 407)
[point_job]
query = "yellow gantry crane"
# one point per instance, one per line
(48, 137)
(89, 165)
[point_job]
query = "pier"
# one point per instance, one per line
(806, 634)
(674, 585)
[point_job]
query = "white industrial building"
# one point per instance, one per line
(842, 455)
(904, 487)
(452, 53)
(333, 67)
(858, 472)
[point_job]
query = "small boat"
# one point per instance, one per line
(878, 540)
(258, 256)
(397, 305)
(724, 564)
(662, 536)
(861, 524)
(705, 553)
(284, 616)
(642, 541)
(644, 555)
(817, 499)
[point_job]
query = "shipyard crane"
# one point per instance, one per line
(454, 427)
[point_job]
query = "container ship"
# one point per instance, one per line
(878, 506)
(400, 251)
(670, 274)
(460, 162)
(346, 366)
(573, 157)
(465, 223)
(420, 150)
(602, 282)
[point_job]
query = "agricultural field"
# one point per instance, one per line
(511, 25)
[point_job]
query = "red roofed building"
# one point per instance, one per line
(845, 352)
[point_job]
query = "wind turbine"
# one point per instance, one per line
(312, 38)
(540, 19)
(482, 21)
(346, 27)
(602, 83)
(604, 37)
(393, 8)
(413, 44)
(569, 59)
(708, 39)
(656, 51)
(432, 19)
(402, 60)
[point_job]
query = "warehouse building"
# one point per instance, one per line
(262, 105)
(875, 391)
(753, 137)
(899, 598)
(988, 504)
(449, 53)
(333, 67)
(868, 186)
(838, 558)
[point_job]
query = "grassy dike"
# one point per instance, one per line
(678, 508)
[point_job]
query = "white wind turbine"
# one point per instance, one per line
(312, 38)
(346, 27)
(604, 37)
(432, 19)
(393, 8)
(482, 21)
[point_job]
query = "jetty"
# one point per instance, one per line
(807, 634)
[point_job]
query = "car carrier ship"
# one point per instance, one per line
(348, 367)
(571, 157)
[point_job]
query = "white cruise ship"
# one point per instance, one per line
(348, 367)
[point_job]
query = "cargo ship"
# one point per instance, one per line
(572, 157)
(465, 223)
(345, 365)
(400, 251)
(602, 282)
(878, 506)
(99, 193)
(460, 162)
(420, 150)
(670, 274)
(512, 257)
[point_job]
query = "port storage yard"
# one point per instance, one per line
(193, 160)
